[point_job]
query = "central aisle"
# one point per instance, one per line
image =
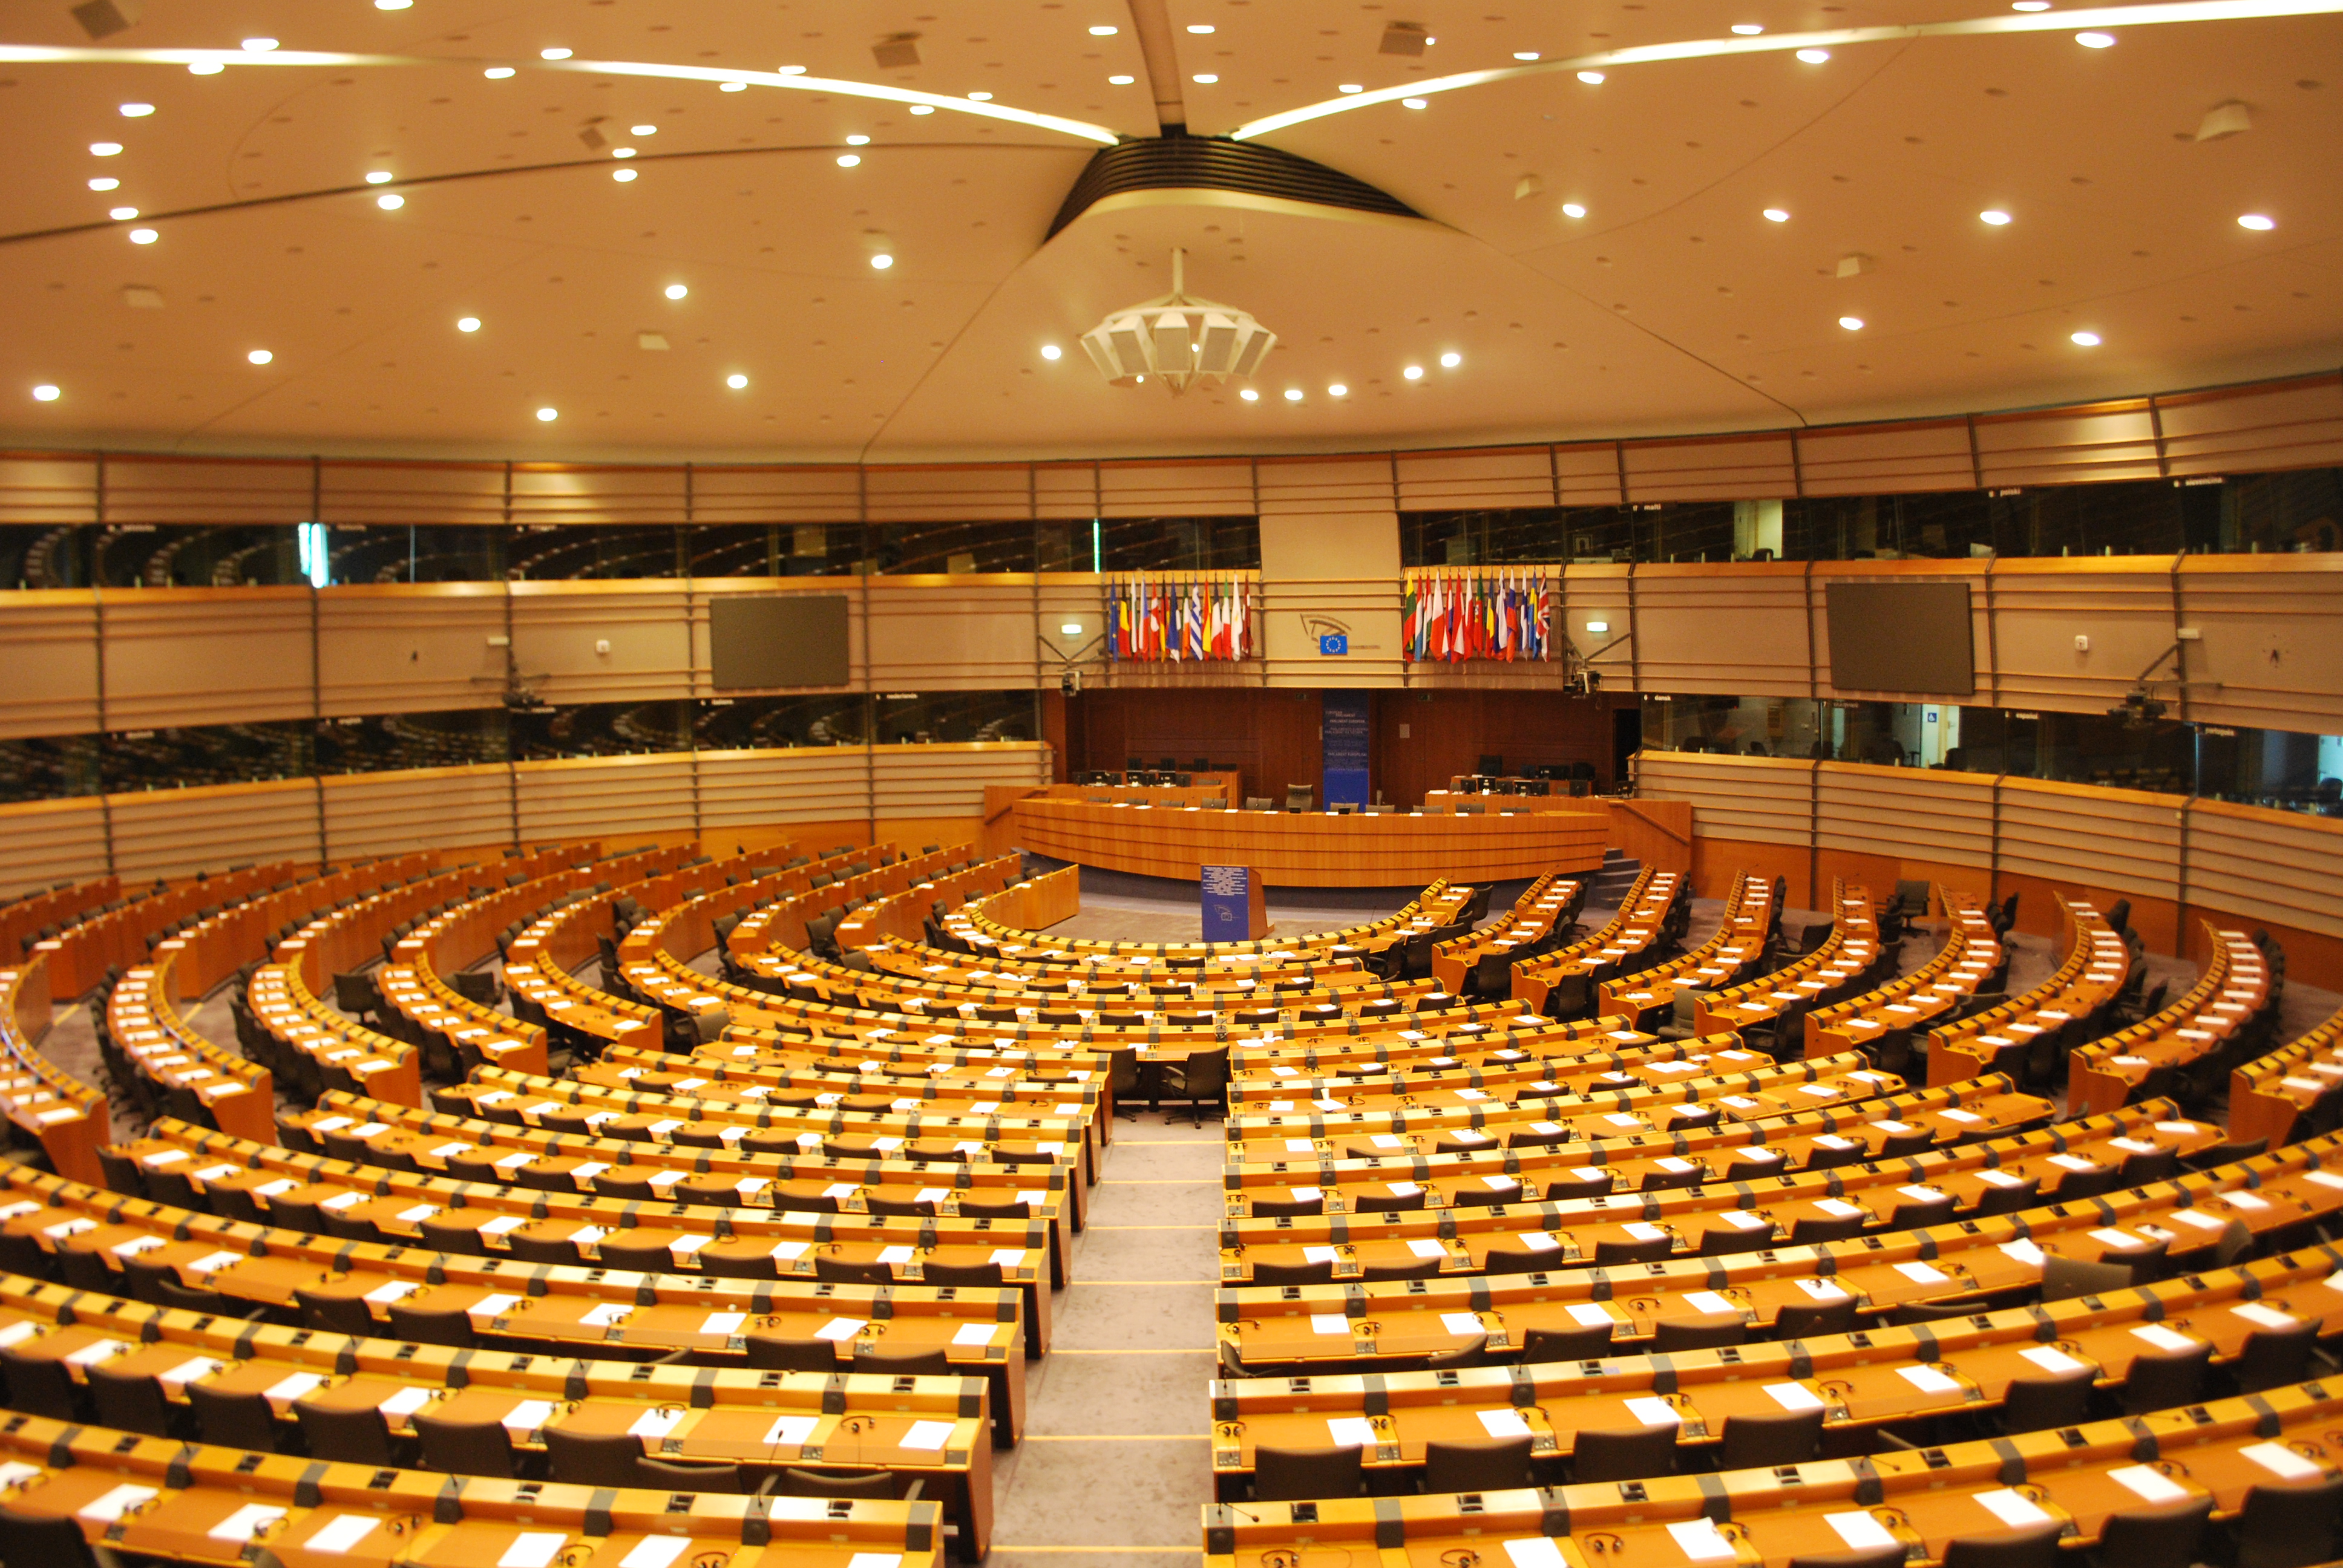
(1116, 1465)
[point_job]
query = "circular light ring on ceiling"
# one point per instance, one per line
(548, 415)
(1451, 360)
(498, 72)
(1814, 56)
(1777, 215)
(2084, 339)
(2096, 40)
(2261, 223)
(1414, 373)
(1249, 394)
(1294, 394)
(260, 356)
(676, 290)
(1573, 210)
(468, 324)
(136, 111)
(1993, 217)
(850, 160)
(144, 237)
(1851, 323)
(45, 393)
(390, 201)
(737, 381)
(881, 262)
(624, 176)
(1052, 351)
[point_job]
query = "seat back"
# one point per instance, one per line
(344, 1436)
(464, 1447)
(1293, 1474)
(1491, 1464)
(593, 1458)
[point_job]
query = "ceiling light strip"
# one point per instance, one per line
(2149, 15)
(38, 55)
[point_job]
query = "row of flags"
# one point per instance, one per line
(1450, 616)
(1176, 619)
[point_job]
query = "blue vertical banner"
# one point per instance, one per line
(1343, 741)
(1235, 906)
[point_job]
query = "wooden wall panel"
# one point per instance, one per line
(1885, 460)
(974, 633)
(973, 493)
(1711, 468)
(399, 648)
(1759, 800)
(1271, 737)
(1696, 631)
(606, 798)
(2119, 838)
(556, 626)
(238, 492)
(1507, 476)
(2268, 652)
(403, 495)
(2067, 445)
(1342, 487)
(49, 638)
(812, 494)
(643, 496)
(43, 843)
(1893, 812)
(2263, 865)
(948, 782)
(246, 651)
(422, 809)
(1219, 488)
(815, 784)
(37, 491)
(175, 833)
(2123, 604)
(2236, 429)
(1448, 732)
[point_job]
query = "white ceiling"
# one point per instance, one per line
(1672, 305)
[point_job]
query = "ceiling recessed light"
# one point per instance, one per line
(1121, 81)
(980, 97)
(1249, 395)
(642, 130)
(105, 184)
(1993, 215)
(1104, 30)
(390, 201)
(732, 88)
(2029, 4)
(857, 141)
(2084, 339)
(392, 5)
(45, 393)
(548, 415)
(1592, 78)
(1199, 28)
(1777, 215)
(144, 237)
(468, 324)
(1070, 628)
(104, 150)
(2259, 222)
(498, 72)
(260, 46)
(2096, 40)
(737, 381)
(378, 177)
(1851, 323)
(204, 68)
(677, 290)
(1413, 372)
(622, 152)
(1051, 351)
(1526, 54)
(623, 176)
(260, 357)
(1451, 360)
(553, 54)
(122, 214)
(1205, 80)
(923, 108)
(1572, 209)
(1351, 88)
(789, 70)
(1336, 389)
(1416, 103)
(1748, 29)
(881, 262)
(850, 160)
(1294, 394)
(136, 111)
(1814, 56)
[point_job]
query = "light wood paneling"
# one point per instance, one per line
(1711, 468)
(43, 842)
(1944, 817)
(401, 648)
(50, 638)
(1744, 635)
(1885, 460)
(246, 651)
(608, 798)
(420, 808)
(175, 833)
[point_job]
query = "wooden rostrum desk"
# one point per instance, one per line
(1309, 850)
(708, 1227)
(198, 1503)
(531, 1306)
(935, 1428)
(2277, 1198)
(1919, 1501)
(2271, 1094)
(550, 1162)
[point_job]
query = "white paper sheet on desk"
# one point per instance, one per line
(406, 1402)
(1709, 1302)
(109, 1507)
(840, 1328)
(606, 1314)
(1642, 1232)
(1794, 1396)
(94, 1354)
(927, 1434)
(2148, 1483)
(1350, 1431)
(1587, 1315)
(491, 1306)
(1653, 1411)
(395, 1291)
(527, 1416)
(2011, 1508)
(2162, 1338)
(655, 1423)
(2051, 1358)
(1503, 1424)
(534, 1549)
(1461, 1322)
(1336, 1324)
(2280, 1460)
(1698, 1540)
(1822, 1290)
(1536, 1551)
(187, 1371)
(1424, 1247)
(341, 1533)
(503, 1223)
(1928, 1380)
(1861, 1532)
(1921, 1273)
(656, 1551)
(973, 1334)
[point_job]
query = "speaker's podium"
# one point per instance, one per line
(1234, 908)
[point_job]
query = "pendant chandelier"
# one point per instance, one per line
(1177, 340)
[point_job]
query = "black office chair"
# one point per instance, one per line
(2035, 1547)
(593, 1459)
(1589, 1342)
(28, 1538)
(2166, 1380)
(1711, 1331)
(2272, 1358)
(432, 1325)
(1298, 1474)
(1634, 1454)
(2165, 1537)
(2047, 1403)
(39, 1385)
(464, 1447)
(2289, 1526)
(1789, 1437)
(243, 1420)
(1804, 1320)
(134, 1402)
(1493, 1465)
(775, 1352)
(358, 1436)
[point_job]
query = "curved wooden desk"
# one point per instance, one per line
(1311, 850)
